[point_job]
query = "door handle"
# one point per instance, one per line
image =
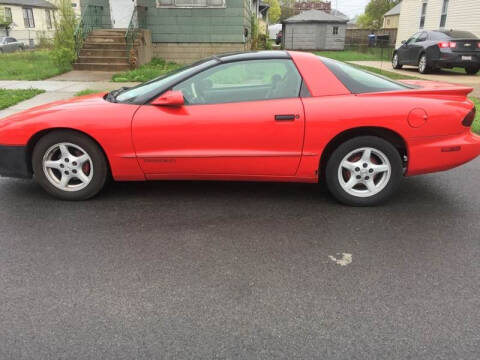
(289, 117)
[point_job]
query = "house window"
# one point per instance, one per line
(8, 15)
(335, 30)
(28, 19)
(191, 3)
(443, 18)
(49, 18)
(388, 21)
(423, 14)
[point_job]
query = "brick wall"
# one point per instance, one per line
(186, 53)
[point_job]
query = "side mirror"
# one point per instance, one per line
(404, 42)
(170, 98)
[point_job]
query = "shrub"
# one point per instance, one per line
(63, 53)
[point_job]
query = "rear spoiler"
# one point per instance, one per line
(431, 88)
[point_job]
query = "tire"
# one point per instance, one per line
(395, 62)
(347, 177)
(472, 70)
(69, 165)
(423, 65)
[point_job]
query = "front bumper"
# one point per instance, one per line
(14, 162)
(427, 155)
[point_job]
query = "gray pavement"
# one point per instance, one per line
(59, 89)
(191, 270)
(440, 75)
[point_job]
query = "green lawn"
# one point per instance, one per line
(11, 97)
(476, 124)
(88, 92)
(147, 72)
(28, 65)
(367, 54)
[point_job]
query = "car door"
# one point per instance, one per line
(416, 47)
(243, 118)
(404, 50)
(10, 46)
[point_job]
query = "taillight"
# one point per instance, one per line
(468, 121)
(448, 44)
(478, 44)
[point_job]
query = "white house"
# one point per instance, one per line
(416, 15)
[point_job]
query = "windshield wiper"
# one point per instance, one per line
(112, 95)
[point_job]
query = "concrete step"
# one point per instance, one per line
(103, 53)
(109, 46)
(101, 67)
(93, 39)
(102, 60)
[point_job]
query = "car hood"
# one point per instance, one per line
(74, 104)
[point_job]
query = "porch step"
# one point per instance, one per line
(108, 32)
(102, 60)
(109, 46)
(101, 67)
(103, 53)
(102, 39)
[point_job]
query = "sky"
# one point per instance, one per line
(350, 7)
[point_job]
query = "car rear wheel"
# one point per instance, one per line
(364, 171)
(69, 165)
(395, 62)
(423, 66)
(472, 70)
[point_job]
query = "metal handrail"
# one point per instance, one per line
(91, 19)
(137, 22)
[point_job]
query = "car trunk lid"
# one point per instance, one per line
(466, 45)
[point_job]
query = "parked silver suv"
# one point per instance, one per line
(9, 44)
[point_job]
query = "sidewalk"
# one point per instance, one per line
(55, 90)
(441, 76)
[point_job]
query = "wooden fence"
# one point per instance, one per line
(360, 36)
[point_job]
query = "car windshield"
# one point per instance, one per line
(359, 81)
(146, 91)
(2, 40)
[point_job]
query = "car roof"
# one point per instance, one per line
(253, 55)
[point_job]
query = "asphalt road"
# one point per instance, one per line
(181, 270)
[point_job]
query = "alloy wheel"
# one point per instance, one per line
(422, 65)
(68, 167)
(364, 172)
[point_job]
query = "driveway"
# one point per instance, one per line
(441, 76)
(182, 270)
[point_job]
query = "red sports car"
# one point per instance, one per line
(261, 116)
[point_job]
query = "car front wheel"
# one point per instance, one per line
(364, 171)
(69, 165)
(395, 62)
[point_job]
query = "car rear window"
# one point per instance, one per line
(359, 81)
(454, 34)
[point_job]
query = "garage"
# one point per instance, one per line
(314, 30)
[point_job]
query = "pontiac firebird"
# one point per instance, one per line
(259, 116)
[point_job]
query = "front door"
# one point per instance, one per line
(404, 50)
(239, 119)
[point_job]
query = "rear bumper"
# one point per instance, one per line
(13, 162)
(427, 155)
(455, 59)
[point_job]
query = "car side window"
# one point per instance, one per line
(242, 81)
(413, 38)
(422, 37)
